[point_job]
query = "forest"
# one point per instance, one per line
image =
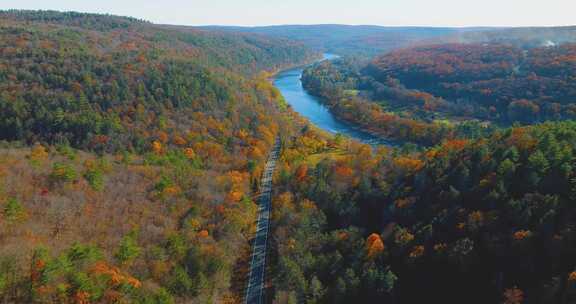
(477, 214)
(424, 94)
(129, 157)
(496, 82)
(485, 221)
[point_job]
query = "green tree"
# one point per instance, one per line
(13, 210)
(180, 282)
(538, 162)
(316, 290)
(163, 297)
(95, 178)
(129, 249)
(538, 165)
(389, 280)
(506, 168)
(63, 173)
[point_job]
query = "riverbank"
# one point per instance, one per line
(289, 83)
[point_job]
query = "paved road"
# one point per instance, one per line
(255, 289)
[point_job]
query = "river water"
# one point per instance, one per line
(290, 85)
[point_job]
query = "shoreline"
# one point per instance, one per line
(347, 128)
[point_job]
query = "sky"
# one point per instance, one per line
(273, 12)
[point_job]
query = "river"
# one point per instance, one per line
(290, 85)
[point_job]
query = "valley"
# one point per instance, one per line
(290, 86)
(163, 164)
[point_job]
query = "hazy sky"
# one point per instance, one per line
(381, 12)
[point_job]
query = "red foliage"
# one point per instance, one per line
(301, 173)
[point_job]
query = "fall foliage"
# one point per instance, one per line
(374, 245)
(128, 151)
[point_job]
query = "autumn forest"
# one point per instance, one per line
(132, 157)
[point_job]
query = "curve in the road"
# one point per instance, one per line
(255, 289)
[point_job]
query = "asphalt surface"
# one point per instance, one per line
(255, 289)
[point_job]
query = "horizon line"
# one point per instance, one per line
(157, 22)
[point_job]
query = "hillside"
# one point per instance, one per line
(482, 215)
(91, 83)
(420, 93)
(129, 155)
(498, 82)
(467, 221)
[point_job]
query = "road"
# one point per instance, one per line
(255, 289)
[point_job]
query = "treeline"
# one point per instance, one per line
(84, 20)
(486, 221)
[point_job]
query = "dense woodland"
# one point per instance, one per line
(483, 215)
(130, 156)
(418, 94)
(486, 221)
(348, 94)
(492, 82)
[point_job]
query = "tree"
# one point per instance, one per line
(513, 295)
(524, 111)
(381, 281)
(13, 210)
(301, 173)
(38, 154)
(506, 169)
(63, 173)
(389, 280)
(157, 147)
(374, 245)
(539, 166)
(293, 276)
(180, 282)
(95, 178)
(129, 249)
(316, 291)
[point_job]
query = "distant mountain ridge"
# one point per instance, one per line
(524, 37)
(347, 39)
(371, 40)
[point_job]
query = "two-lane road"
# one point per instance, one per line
(255, 289)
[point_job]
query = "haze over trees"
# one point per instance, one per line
(371, 40)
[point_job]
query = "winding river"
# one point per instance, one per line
(290, 85)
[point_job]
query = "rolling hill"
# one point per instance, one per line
(129, 153)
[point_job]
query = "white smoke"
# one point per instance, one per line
(549, 43)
